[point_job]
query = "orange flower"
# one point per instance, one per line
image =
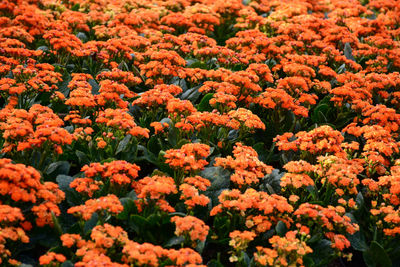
(52, 259)
(189, 158)
(248, 169)
(193, 228)
(108, 203)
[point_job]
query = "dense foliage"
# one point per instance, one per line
(199, 132)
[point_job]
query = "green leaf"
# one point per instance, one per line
(92, 222)
(246, 259)
(341, 69)
(274, 180)
(123, 144)
(138, 223)
(43, 48)
(214, 263)
(319, 113)
(288, 121)
(280, 228)
(174, 241)
(82, 36)
(348, 53)
(357, 241)
(56, 168)
(153, 145)
(75, 7)
(376, 256)
(154, 219)
(82, 158)
(95, 86)
(369, 259)
(129, 207)
(63, 181)
(220, 180)
(132, 195)
(179, 82)
(67, 264)
(219, 177)
(194, 63)
(204, 104)
(322, 252)
(191, 94)
(200, 246)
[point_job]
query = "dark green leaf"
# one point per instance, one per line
(246, 259)
(369, 258)
(92, 222)
(43, 48)
(319, 113)
(83, 159)
(219, 177)
(377, 256)
(191, 94)
(63, 181)
(95, 86)
(138, 222)
(123, 144)
(67, 264)
(82, 36)
(129, 207)
(56, 168)
(174, 241)
(75, 7)
(280, 228)
(153, 145)
(204, 104)
(357, 241)
(348, 52)
(200, 246)
(214, 263)
(322, 252)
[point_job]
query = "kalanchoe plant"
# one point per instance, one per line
(199, 133)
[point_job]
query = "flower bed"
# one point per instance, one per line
(199, 133)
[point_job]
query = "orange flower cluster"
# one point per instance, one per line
(319, 141)
(22, 184)
(340, 173)
(286, 251)
(109, 204)
(155, 189)
(161, 66)
(189, 158)
(279, 98)
(120, 122)
(120, 174)
(246, 120)
(248, 169)
(9, 216)
(379, 147)
(260, 209)
(52, 259)
(81, 91)
(107, 241)
(239, 242)
(38, 128)
(190, 191)
(157, 97)
(192, 228)
(82, 82)
(331, 219)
